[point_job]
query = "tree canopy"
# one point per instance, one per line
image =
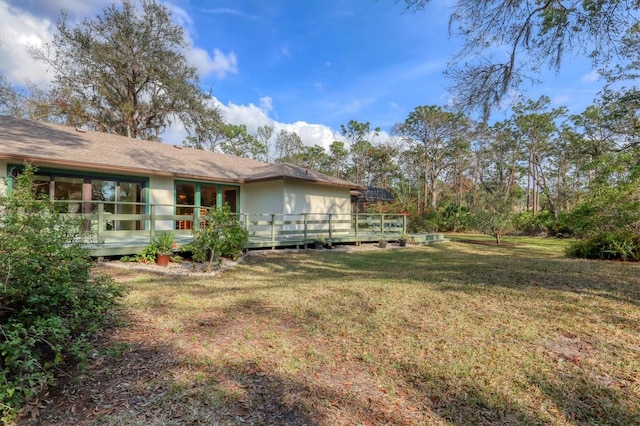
(125, 72)
(506, 42)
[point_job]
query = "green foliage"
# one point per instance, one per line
(222, 236)
(454, 218)
(425, 222)
(50, 307)
(526, 223)
(164, 242)
(616, 246)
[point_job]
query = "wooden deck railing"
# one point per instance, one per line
(106, 220)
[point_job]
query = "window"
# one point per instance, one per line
(196, 195)
(83, 194)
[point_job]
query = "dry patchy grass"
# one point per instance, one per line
(451, 334)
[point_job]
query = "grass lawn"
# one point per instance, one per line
(458, 333)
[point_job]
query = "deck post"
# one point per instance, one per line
(152, 222)
(357, 224)
(304, 220)
(196, 218)
(382, 224)
(100, 223)
(330, 227)
(273, 227)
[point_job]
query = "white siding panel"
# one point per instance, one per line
(161, 193)
(318, 199)
(262, 197)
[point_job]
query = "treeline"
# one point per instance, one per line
(539, 171)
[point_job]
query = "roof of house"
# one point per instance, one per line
(60, 146)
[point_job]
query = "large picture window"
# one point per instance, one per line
(84, 193)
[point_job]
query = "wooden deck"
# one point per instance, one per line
(266, 231)
(135, 244)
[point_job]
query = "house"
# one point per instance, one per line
(125, 180)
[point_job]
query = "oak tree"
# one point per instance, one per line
(125, 72)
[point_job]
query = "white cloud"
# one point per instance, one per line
(19, 31)
(591, 77)
(220, 64)
(51, 8)
(266, 104)
(253, 117)
(312, 134)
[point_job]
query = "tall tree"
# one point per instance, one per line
(507, 41)
(536, 125)
(237, 141)
(441, 134)
(125, 72)
(288, 147)
(34, 102)
(359, 137)
(263, 136)
(338, 154)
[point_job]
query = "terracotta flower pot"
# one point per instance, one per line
(163, 259)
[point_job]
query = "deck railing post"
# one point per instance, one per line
(357, 224)
(382, 224)
(196, 218)
(152, 222)
(246, 222)
(273, 227)
(304, 221)
(101, 224)
(330, 227)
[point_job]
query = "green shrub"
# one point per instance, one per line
(222, 236)
(454, 218)
(50, 307)
(616, 246)
(526, 223)
(425, 222)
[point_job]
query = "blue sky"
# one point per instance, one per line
(305, 66)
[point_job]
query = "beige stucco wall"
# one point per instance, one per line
(262, 197)
(318, 201)
(313, 198)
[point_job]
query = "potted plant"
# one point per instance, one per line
(403, 238)
(382, 242)
(328, 244)
(319, 241)
(164, 244)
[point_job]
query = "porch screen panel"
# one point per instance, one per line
(185, 200)
(128, 199)
(42, 185)
(104, 190)
(68, 188)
